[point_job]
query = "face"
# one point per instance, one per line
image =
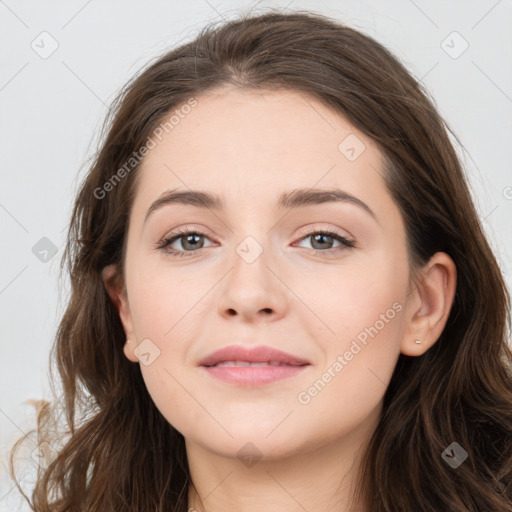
(325, 281)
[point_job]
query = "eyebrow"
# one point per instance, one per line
(293, 199)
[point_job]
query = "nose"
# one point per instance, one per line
(253, 290)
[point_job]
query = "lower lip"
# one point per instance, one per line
(251, 376)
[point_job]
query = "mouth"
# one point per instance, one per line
(239, 355)
(251, 367)
(247, 363)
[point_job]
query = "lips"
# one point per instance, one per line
(247, 363)
(237, 356)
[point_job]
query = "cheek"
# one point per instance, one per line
(165, 309)
(363, 308)
(345, 300)
(366, 315)
(162, 300)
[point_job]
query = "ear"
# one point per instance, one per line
(429, 304)
(118, 294)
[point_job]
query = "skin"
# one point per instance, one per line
(249, 147)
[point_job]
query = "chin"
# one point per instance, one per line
(249, 449)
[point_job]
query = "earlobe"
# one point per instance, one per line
(430, 304)
(117, 293)
(128, 350)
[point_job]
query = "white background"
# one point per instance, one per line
(52, 109)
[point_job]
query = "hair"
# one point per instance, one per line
(118, 451)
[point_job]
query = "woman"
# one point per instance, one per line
(217, 361)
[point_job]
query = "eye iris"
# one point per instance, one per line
(320, 237)
(194, 245)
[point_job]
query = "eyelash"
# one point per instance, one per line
(345, 243)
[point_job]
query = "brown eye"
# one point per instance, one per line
(322, 242)
(190, 242)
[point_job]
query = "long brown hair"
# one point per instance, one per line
(119, 453)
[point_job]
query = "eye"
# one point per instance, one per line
(190, 242)
(323, 239)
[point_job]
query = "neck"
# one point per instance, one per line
(323, 477)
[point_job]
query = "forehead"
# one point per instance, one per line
(247, 143)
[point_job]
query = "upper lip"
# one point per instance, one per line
(259, 354)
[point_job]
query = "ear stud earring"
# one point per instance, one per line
(417, 341)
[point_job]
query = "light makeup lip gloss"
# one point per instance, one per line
(252, 366)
